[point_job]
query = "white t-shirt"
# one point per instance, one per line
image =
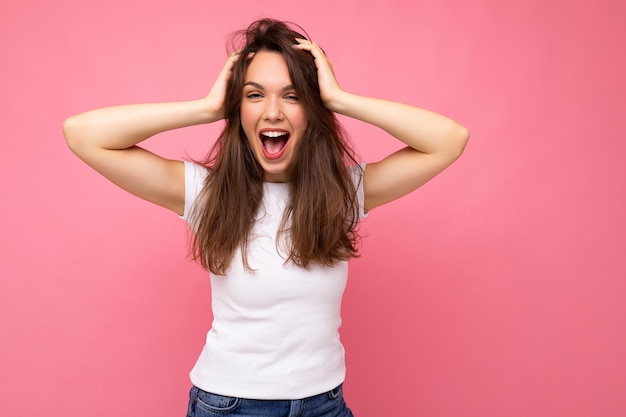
(275, 332)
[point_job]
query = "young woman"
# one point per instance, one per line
(274, 210)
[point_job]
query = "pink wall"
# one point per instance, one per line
(496, 290)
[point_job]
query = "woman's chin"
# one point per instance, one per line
(275, 169)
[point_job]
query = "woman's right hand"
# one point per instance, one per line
(214, 101)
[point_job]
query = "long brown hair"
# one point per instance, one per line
(322, 214)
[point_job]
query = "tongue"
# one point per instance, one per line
(274, 145)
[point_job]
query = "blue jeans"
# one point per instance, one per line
(328, 404)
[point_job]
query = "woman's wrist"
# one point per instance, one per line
(206, 111)
(340, 102)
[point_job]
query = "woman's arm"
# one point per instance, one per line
(106, 140)
(433, 141)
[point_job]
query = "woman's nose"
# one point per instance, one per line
(273, 110)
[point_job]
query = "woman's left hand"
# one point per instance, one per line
(330, 91)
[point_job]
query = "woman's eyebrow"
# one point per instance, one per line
(260, 87)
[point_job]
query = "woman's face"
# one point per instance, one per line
(272, 117)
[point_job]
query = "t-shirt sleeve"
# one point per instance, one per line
(194, 180)
(357, 177)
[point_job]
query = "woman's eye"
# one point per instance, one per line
(292, 97)
(253, 95)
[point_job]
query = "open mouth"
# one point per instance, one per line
(274, 142)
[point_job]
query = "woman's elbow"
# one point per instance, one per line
(71, 132)
(459, 136)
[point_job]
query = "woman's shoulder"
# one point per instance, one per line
(195, 172)
(356, 172)
(195, 176)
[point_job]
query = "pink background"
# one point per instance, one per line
(496, 290)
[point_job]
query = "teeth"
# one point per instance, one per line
(273, 134)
